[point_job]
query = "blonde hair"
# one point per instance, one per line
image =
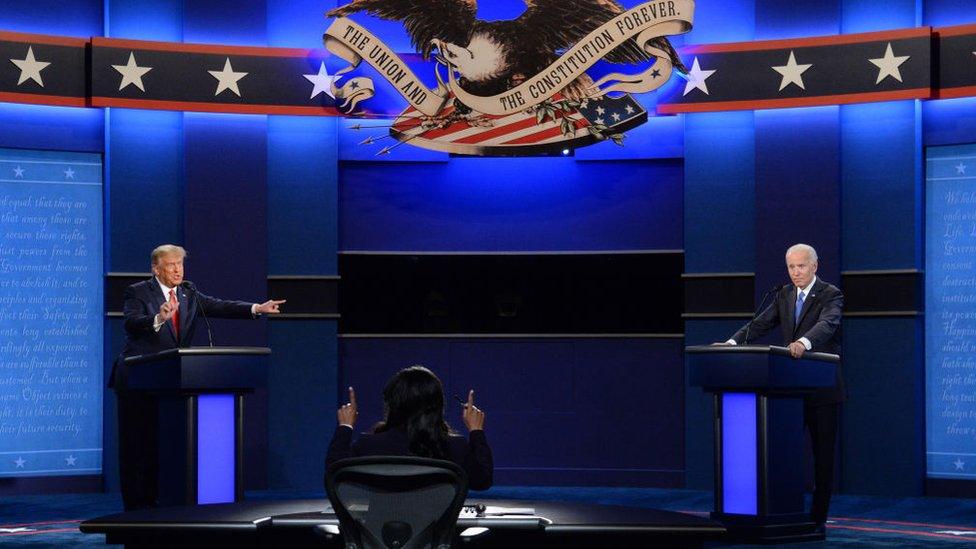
(166, 249)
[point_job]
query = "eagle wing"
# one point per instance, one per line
(559, 24)
(424, 20)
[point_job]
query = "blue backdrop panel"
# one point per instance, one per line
(523, 204)
(942, 13)
(885, 380)
(114, 340)
(79, 18)
(138, 226)
(949, 121)
(864, 15)
(297, 23)
(51, 128)
(719, 189)
(226, 215)
(160, 20)
(50, 313)
(302, 195)
(227, 22)
(716, 25)
(881, 187)
(950, 319)
(562, 411)
(226, 234)
(776, 19)
(302, 389)
(797, 190)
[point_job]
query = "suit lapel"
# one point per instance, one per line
(791, 309)
(808, 302)
(160, 299)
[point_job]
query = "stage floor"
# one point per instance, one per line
(856, 521)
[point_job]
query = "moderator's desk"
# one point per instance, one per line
(265, 524)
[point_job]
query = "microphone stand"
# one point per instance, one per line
(203, 310)
(762, 302)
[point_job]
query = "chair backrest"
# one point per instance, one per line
(396, 502)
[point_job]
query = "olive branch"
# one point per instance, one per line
(560, 110)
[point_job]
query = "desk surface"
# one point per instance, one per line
(274, 518)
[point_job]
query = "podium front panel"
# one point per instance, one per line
(216, 440)
(739, 458)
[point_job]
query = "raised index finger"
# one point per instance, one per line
(279, 302)
(352, 396)
(471, 399)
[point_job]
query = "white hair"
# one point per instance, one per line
(811, 253)
(167, 249)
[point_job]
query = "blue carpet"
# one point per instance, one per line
(856, 521)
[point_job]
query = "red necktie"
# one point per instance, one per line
(176, 313)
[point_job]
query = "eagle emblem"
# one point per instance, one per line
(509, 80)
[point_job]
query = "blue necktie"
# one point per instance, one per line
(799, 308)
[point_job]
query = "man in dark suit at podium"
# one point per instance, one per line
(160, 313)
(808, 312)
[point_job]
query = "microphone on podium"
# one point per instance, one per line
(193, 288)
(772, 291)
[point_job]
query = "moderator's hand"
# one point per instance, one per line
(348, 413)
(474, 419)
(797, 349)
(166, 311)
(269, 307)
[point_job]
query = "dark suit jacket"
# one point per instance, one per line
(142, 302)
(473, 454)
(819, 322)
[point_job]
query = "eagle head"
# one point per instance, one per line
(482, 60)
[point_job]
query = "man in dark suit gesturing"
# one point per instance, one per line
(160, 313)
(808, 313)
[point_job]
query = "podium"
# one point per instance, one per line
(200, 391)
(758, 422)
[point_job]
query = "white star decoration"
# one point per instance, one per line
(615, 116)
(696, 78)
(227, 79)
(30, 68)
(600, 111)
(19, 172)
(792, 73)
(70, 460)
(69, 174)
(600, 121)
(960, 464)
(131, 73)
(960, 169)
(20, 462)
(323, 82)
(888, 65)
(629, 109)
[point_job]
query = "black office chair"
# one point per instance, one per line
(396, 502)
